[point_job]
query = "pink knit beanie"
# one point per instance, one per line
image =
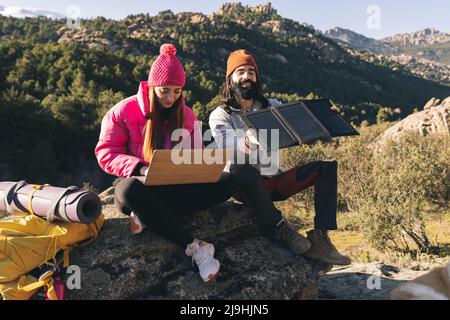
(167, 69)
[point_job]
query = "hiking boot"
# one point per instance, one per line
(203, 255)
(294, 241)
(136, 225)
(323, 250)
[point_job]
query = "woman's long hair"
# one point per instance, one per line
(154, 136)
(229, 97)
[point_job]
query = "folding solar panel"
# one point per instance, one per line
(332, 120)
(301, 122)
(267, 120)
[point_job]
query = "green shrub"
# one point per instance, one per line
(406, 175)
(390, 190)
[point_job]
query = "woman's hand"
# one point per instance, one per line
(144, 171)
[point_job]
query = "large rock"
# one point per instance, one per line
(118, 265)
(231, 7)
(199, 19)
(435, 118)
(265, 9)
(276, 26)
(90, 39)
(371, 281)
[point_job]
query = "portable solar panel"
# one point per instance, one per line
(332, 120)
(301, 122)
(266, 121)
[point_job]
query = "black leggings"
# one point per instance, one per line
(158, 207)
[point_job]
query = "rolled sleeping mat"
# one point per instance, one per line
(68, 204)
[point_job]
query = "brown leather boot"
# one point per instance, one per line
(322, 249)
(294, 241)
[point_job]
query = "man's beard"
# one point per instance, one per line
(245, 93)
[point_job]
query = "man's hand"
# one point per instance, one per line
(144, 171)
(335, 108)
(251, 138)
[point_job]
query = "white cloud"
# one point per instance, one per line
(19, 12)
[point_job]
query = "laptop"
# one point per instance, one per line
(186, 166)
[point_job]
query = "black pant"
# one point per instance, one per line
(158, 207)
(322, 175)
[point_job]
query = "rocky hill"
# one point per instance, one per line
(423, 53)
(429, 44)
(282, 46)
(424, 37)
(420, 67)
(392, 44)
(360, 42)
(66, 79)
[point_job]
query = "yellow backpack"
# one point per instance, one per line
(28, 242)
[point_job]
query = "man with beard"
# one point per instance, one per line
(242, 93)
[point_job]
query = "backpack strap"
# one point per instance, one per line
(54, 204)
(66, 258)
(10, 193)
(47, 278)
(44, 280)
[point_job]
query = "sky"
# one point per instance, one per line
(372, 18)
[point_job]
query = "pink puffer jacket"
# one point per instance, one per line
(119, 149)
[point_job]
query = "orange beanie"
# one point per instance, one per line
(239, 58)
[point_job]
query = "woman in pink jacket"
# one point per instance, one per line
(138, 125)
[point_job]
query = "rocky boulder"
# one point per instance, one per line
(118, 265)
(265, 9)
(435, 118)
(90, 39)
(199, 19)
(230, 7)
(278, 57)
(372, 281)
(275, 26)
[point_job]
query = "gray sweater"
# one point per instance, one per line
(229, 132)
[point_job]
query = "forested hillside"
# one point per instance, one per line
(57, 83)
